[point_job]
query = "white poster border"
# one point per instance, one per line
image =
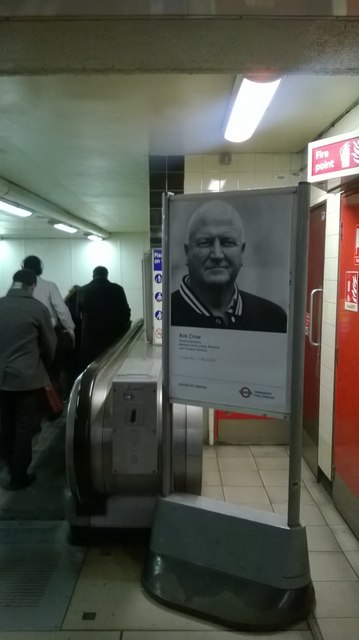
(258, 404)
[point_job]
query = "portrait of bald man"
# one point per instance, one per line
(209, 295)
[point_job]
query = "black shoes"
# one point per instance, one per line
(14, 484)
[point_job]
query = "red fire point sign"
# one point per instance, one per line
(333, 157)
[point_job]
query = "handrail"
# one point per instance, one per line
(80, 405)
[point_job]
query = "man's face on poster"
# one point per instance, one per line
(215, 246)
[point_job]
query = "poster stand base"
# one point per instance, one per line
(240, 567)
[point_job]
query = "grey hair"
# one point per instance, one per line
(208, 207)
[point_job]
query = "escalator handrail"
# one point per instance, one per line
(106, 366)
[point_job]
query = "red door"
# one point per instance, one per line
(312, 335)
(346, 414)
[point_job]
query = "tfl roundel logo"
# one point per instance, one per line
(245, 392)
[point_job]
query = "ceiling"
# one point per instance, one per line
(81, 141)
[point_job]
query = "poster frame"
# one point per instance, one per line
(297, 210)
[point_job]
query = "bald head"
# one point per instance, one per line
(214, 211)
(214, 247)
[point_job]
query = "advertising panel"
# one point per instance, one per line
(229, 290)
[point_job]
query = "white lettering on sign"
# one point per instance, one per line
(321, 154)
(326, 164)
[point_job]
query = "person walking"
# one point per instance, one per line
(27, 347)
(48, 293)
(105, 315)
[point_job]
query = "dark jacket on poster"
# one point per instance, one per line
(27, 342)
(105, 315)
(246, 311)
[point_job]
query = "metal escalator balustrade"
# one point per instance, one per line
(114, 441)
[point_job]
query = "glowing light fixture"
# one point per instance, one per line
(94, 238)
(64, 227)
(14, 210)
(249, 106)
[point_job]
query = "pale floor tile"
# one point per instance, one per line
(260, 451)
(331, 515)
(272, 463)
(215, 635)
(261, 507)
(233, 451)
(209, 452)
(321, 539)
(211, 478)
(330, 565)
(213, 492)
(353, 557)
(309, 513)
(246, 495)
(229, 464)
(318, 493)
(274, 477)
(210, 464)
(307, 473)
(346, 538)
(336, 599)
(241, 478)
(110, 586)
(279, 495)
(339, 628)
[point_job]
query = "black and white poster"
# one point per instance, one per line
(228, 299)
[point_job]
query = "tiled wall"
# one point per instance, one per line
(68, 262)
(328, 338)
(245, 171)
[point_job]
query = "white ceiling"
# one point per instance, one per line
(82, 141)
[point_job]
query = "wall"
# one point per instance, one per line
(246, 171)
(348, 123)
(69, 262)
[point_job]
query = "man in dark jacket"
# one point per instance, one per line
(27, 347)
(105, 314)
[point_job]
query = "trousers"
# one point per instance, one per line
(19, 415)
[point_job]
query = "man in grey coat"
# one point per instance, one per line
(27, 347)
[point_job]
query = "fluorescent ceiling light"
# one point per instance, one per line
(64, 227)
(250, 104)
(94, 238)
(16, 211)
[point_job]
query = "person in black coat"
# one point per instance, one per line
(105, 315)
(209, 297)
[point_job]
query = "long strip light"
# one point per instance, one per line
(16, 211)
(250, 104)
(64, 227)
(93, 237)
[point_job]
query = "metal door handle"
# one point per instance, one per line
(311, 307)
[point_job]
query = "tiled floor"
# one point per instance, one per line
(108, 602)
(258, 475)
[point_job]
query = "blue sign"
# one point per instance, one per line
(157, 260)
(158, 296)
(158, 315)
(158, 277)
